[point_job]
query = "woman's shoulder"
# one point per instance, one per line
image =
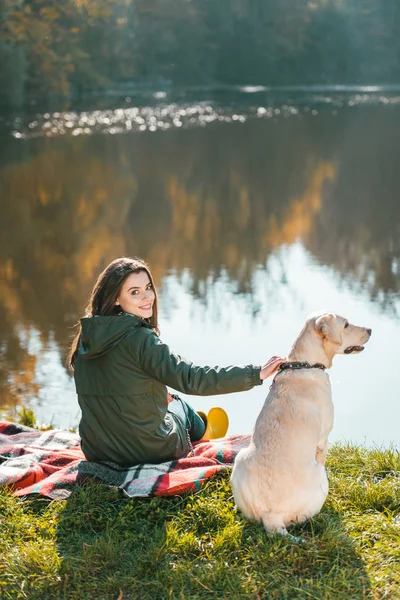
(141, 341)
(142, 332)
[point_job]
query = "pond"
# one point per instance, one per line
(253, 209)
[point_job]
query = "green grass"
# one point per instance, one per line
(98, 544)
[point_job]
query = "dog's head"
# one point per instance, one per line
(339, 336)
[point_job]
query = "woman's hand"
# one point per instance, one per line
(271, 367)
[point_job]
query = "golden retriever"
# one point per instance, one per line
(280, 478)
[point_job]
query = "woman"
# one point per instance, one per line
(122, 370)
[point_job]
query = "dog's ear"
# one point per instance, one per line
(327, 329)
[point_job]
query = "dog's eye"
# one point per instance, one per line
(346, 325)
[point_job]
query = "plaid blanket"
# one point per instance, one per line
(49, 463)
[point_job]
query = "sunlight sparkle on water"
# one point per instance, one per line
(175, 115)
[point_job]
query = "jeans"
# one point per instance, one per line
(189, 417)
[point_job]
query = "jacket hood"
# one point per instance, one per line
(102, 334)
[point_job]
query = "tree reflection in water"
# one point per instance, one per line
(201, 203)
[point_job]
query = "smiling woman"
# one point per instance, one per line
(137, 295)
(122, 370)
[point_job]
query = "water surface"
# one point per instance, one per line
(251, 212)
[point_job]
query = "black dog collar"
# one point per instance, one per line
(300, 365)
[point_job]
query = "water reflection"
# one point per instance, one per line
(208, 205)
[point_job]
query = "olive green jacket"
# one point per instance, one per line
(121, 372)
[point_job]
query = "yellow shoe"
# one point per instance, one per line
(216, 423)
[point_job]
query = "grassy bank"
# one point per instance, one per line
(98, 545)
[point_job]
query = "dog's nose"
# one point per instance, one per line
(369, 331)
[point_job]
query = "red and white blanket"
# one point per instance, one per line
(49, 462)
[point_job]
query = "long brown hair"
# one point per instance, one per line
(105, 294)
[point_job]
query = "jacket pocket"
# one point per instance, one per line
(166, 427)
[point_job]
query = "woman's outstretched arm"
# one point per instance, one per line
(156, 359)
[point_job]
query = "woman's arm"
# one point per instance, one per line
(157, 360)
